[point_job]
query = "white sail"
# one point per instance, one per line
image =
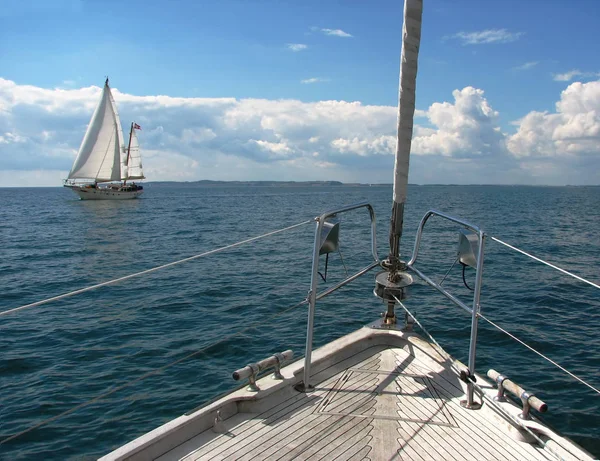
(99, 157)
(119, 128)
(133, 165)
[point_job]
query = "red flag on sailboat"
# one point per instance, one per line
(136, 126)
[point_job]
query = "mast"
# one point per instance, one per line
(128, 149)
(411, 38)
(394, 281)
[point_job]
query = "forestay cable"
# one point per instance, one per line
(154, 269)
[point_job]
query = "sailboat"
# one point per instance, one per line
(383, 391)
(98, 169)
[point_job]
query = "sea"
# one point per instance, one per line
(85, 374)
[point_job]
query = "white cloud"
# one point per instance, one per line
(467, 128)
(314, 80)
(568, 76)
(42, 129)
(9, 138)
(486, 36)
(274, 149)
(526, 66)
(32, 178)
(336, 33)
(197, 135)
(245, 139)
(297, 46)
(382, 145)
(572, 131)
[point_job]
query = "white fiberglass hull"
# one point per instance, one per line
(105, 193)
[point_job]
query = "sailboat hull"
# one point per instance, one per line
(88, 193)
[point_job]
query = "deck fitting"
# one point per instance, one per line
(300, 387)
(471, 406)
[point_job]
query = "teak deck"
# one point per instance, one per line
(379, 395)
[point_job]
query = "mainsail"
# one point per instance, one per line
(133, 161)
(99, 157)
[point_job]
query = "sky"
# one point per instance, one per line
(508, 92)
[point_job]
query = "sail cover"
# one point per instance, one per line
(99, 157)
(133, 169)
(411, 39)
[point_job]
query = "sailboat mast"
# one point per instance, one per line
(128, 149)
(392, 284)
(411, 39)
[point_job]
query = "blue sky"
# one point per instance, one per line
(517, 57)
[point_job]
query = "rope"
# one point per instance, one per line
(148, 374)
(540, 354)
(148, 271)
(595, 285)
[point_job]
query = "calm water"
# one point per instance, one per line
(59, 355)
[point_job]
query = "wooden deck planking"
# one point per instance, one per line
(351, 446)
(362, 454)
(384, 405)
(318, 444)
(490, 441)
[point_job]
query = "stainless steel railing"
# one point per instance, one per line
(305, 386)
(476, 307)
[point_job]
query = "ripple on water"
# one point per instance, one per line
(65, 353)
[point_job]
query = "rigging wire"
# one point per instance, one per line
(154, 269)
(343, 263)
(448, 271)
(539, 353)
(441, 349)
(522, 342)
(150, 373)
(595, 285)
(482, 393)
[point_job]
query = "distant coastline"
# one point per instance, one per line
(211, 183)
(214, 183)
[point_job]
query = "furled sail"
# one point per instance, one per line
(411, 40)
(99, 157)
(133, 167)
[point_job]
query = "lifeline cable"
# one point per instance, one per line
(148, 374)
(595, 285)
(539, 353)
(148, 271)
(483, 395)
